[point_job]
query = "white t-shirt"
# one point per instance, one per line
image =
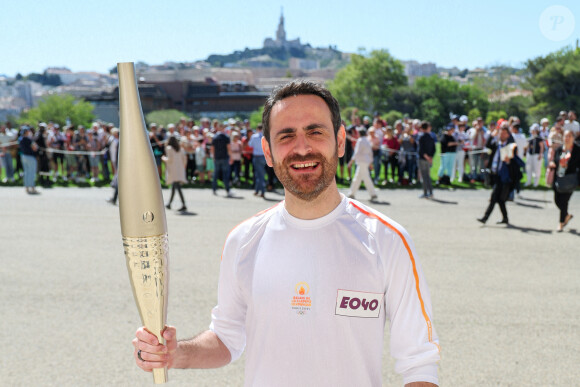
(521, 142)
(309, 299)
(574, 126)
(363, 151)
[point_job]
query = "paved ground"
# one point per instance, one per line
(506, 300)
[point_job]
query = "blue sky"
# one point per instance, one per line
(95, 35)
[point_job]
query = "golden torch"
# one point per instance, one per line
(143, 223)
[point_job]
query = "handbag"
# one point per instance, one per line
(566, 183)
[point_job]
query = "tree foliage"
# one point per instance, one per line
(164, 117)
(59, 108)
(555, 82)
(434, 98)
(256, 117)
(368, 81)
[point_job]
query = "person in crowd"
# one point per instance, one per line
(28, 149)
(188, 143)
(572, 125)
(94, 149)
(534, 152)
(57, 143)
(462, 139)
(221, 153)
(157, 145)
(505, 170)
(7, 136)
(363, 157)
(236, 148)
(477, 141)
(209, 164)
(259, 161)
(200, 158)
(247, 153)
(448, 148)
(566, 165)
(522, 144)
(376, 140)
(555, 141)
(80, 145)
(544, 134)
(114, 157)
(408, 156)
(426, 152)
(42, 155)
(391, 154)
(175, 163)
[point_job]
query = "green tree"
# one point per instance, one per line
(164, 117)
(473, 115)
(256, 117)
(392, 116)
(495, 115)
(59, 108)
(519, 106)
(434, 98)
(368, 81)
(555, 82)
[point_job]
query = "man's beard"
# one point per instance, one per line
(307, 187)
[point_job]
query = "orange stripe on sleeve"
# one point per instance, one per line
(415, 274)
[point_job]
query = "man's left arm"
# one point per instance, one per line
(414, 343)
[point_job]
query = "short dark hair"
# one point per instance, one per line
(301, 87)
(425, 125)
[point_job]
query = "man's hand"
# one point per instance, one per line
(153, 354)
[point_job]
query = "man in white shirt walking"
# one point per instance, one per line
(306, 287)
(363, 157)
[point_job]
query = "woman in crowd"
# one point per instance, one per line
(448, 147)
(94, 147)
(535, 152)
(566, 165)
(175, 163)
(236, 157)
(43, 160)
(555, 139)
(391, 155)
(28, 150)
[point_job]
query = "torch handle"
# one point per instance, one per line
(148, 266)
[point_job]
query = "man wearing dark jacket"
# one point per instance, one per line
(426, 153)
(504, 174)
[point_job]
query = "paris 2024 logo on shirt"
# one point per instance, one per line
(351, 303)
(301, 301)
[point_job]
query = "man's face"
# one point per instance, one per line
(572, 116)
(303, 149)
(504, 134)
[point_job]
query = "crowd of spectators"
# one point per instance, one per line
(222, 150)
(464, 147)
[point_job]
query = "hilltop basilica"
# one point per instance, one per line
(281, 38)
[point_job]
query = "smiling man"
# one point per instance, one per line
(306, 287)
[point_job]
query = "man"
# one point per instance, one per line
(477, 139)
(426, 153)
(307, 285)
(461, 137)
(505, 172)
(220, 152)
(258, 161)
(572, 125)
(534, 152)
(363, 157)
